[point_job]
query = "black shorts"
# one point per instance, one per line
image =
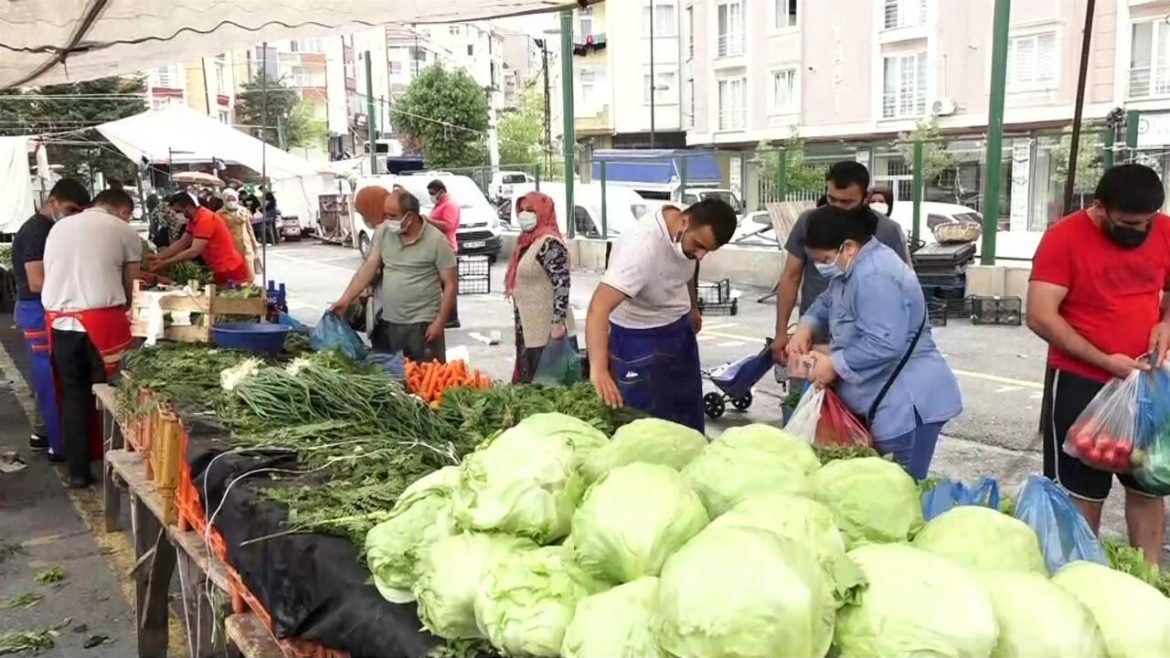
(1070, 395)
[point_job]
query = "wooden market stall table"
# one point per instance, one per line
(159, 549)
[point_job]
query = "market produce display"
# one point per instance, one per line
(749, 460)
(614, 624)
(1038, 618)
(648, 440)
(797, 518)
(873, 500)
(1134, 618)
(432, 379)
(983, 539)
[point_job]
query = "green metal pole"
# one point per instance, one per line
(999, 48)
(1107, 139)
(538, 169)
(1133, 122)
(782, 175)
(570, 135)
(682, 180)
(604, 205)
(919, 180)
(373, 130)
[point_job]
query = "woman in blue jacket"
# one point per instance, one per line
(882, 360)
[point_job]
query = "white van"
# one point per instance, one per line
(623, 207)
(479, 226)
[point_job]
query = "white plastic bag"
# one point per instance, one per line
(807, 414)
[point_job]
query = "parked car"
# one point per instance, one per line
(502, 183)
(623, 208)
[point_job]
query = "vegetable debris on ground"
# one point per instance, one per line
(24, 600)
(51, 575)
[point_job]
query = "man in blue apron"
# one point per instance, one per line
(68, 197)
(642, 320)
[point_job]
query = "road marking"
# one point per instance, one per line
(1000, 380)
(348, 270)
(1008, 389)
(731, 343)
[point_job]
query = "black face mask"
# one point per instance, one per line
(1124, 236)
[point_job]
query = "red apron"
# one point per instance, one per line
(109, 331)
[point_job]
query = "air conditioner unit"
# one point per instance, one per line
(942, 107)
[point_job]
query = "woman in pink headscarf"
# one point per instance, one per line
(538, 283)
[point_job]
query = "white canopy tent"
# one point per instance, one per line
(16, 194)
(178, 134)
(54, 41)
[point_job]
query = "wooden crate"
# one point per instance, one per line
(210, 305)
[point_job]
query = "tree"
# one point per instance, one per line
(936, 158)
(77, 107)
(305, 129)
(1089, 167)
(796, 175)
(262, 104)
(522, 129)
(445, 115)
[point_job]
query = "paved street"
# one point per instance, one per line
(1001, 369)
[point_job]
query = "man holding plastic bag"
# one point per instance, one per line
(1095, 297)
(419, 281)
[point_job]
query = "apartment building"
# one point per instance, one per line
(618, 68)
(206, 85)
(851, 75)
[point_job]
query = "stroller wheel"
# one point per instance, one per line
(713, 405)
(743, 403)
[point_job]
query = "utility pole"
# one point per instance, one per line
(543, 43)
(570, 135)
(373, 131)
(206, 92)
(414, 30)
(999, 47)
(1074, 150)
(652, 78)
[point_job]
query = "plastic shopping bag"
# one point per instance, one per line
(838, 427)
(1065, 535)
(1103, 435)
(332, 333)
(807, 414)
(559, 365)
(953, 493)
(1151, 454)
(292, 323)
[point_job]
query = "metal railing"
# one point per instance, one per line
(730, 44)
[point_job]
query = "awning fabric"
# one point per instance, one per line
(16, 195)
(54, 41)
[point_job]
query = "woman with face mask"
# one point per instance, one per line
(240, 224)
(537, 280)
(882, 360)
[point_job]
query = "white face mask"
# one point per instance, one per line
(394, 226)
(231, 205)
(434, 198)
(880, 207)
(527, 220)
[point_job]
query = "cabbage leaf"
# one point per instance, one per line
(650, 440)
(1134, 618)
(615, 624)
(872, 499)
(983, 538)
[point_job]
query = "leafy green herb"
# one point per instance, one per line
(33, 641)
(51, 575)
(829, 453)
(25, 600)
(1132, 560)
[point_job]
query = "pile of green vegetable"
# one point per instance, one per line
(552, 540)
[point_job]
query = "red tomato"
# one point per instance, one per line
(1125, 448)
(1093, 455)
(1082, 442)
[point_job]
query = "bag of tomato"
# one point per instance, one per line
(1104, 435)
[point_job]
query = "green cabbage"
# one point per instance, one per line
(983, 538)
(800, 519)
(1134, 617)
(523, 482)
(449, 576)
(916, 604)
(632, 519)
(614, 624)
(528, 599)
(725, 474)
(1038, 618)
(585, 438)
(873, 499)
(765, 438)
(421, 516)
(646, 440)
(745, 593)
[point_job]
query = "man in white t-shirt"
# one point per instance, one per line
(91, 260)
(642, 320)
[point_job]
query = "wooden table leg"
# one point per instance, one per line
(201, 614)
(152, 577)
(111, 497)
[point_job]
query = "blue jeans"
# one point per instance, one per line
(30, 317)
(913, 450)
(657, 371)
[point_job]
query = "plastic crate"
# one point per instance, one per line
(716, 296)
(244, 601)
(997, 310)
(936, 312)
(474, 275)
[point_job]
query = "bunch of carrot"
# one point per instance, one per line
(430, 380)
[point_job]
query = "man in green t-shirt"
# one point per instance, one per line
(419, 282)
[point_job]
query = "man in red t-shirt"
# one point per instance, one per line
(445, 217)
(1095, 296)
(207, 236)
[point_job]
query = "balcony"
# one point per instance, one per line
(1145, 82)
(598, 122)
(732, 120)
(729, 50)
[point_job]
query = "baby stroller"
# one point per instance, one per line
(735, 381)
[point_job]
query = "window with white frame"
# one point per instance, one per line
(584, 23)
(904, 86)
(729, 28)
(663, 88)
(904, 13)
(732, 103)
(690, 33)
(589, 95)
(223, 117)
(1149, 60)
(690, 117)
(784, 90)
(220, 76)
(665, 24)
(167, 77)
(1032, 61)
(783, 14)
(453, 30)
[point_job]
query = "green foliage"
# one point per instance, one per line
(304, 128)
(522, 129)
(1089, 166)
(259, 99)
(796, 175)
(57, 108)
(936, 158)
(445, 114)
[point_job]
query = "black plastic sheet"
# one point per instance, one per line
(314, 586)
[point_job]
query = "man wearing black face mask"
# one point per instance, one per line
(1095, 297)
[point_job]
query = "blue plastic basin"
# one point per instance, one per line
(257, 337)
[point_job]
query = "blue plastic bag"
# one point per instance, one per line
(1065, 535)
(394, 364)
(332, 333)
(559, 365)
(952, 493)
(296, 325)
